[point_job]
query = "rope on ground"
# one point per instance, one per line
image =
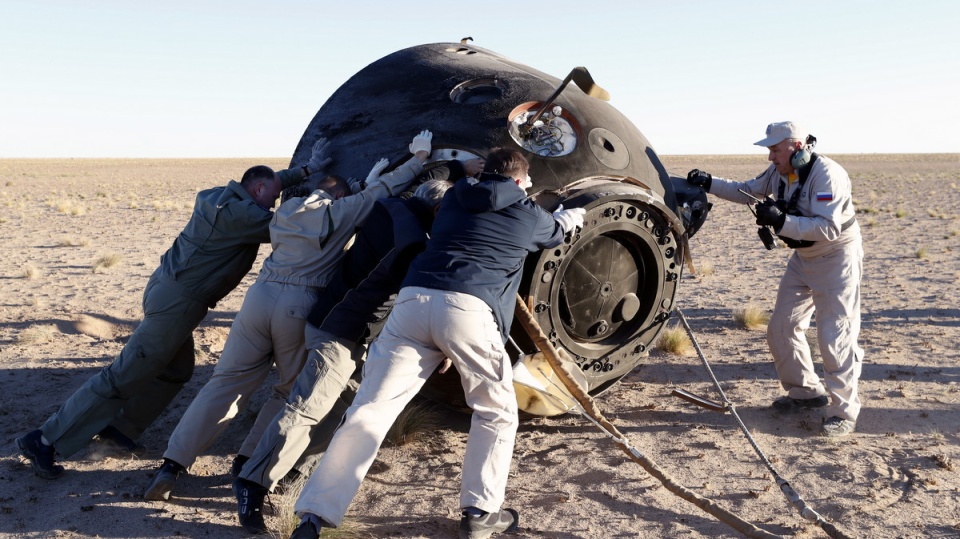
(792, 496)
(532, 327)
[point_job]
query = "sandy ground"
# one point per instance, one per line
(62, 317)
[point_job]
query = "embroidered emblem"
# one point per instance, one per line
(824, 196)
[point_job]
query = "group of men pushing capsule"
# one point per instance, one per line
(429, 280)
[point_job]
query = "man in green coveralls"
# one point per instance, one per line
(208, 259)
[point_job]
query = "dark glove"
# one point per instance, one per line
(700, 179)
(769, 214)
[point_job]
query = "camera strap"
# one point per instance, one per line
(791, 209)
(804, 173)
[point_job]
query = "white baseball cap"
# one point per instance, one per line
(780, 131)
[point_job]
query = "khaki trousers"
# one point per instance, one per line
(312, 412)
(828, 283)
(424, 327)
(267, 330)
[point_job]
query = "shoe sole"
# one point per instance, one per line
(484, 534)
(37, 469)
(160, 489)
(837, 433)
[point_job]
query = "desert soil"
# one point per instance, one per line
(65, 312)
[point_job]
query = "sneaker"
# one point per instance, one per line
(837, 426)
(306, 530)
(237, 466)
(250, 497)
(481, 527)
(113, 435)
(40, 455)
(163, 481)
(790, 404)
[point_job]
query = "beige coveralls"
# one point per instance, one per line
(824, 277)
(309, 236)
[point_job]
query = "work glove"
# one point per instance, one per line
(769, 214)
(421, 142)
(569, 219)
(319, 157)
(373, 178)
(355, 185)
(378, 167)
(700, 179)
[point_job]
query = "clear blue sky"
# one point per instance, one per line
(242, 79)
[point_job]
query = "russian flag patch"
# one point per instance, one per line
(824, 196)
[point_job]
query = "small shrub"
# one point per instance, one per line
(106, 261)
(900, 213)
(37, 334)
(73, 241)
(705, 268)
(30, 271)
(414, 423)
(870, 221)
(922, 253)
(751, 317)
(288, 518)
(63, 206)
(675, 341)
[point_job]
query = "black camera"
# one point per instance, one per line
(767, 237)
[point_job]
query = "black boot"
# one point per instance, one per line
(306, 530)
(40, 455)
(113, 435)
(250, 497)
(163, 481)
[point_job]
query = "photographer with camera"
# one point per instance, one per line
(807, 201)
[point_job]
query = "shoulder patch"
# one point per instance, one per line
(824, 196)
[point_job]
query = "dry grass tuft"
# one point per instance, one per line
(921, 253)
(751, 317)
(900, 213)
(30, 271)
(69, 207)
(705, 268)
(289, 519)
(106, 261)
(164, 205)
(73, 241)
(37, 334)
(415, 423)
(675, 341)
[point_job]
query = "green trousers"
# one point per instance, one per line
(147, 375)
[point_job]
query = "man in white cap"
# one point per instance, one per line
(813, 213)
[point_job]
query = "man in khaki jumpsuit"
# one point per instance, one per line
(208, 259)
(813, 213)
